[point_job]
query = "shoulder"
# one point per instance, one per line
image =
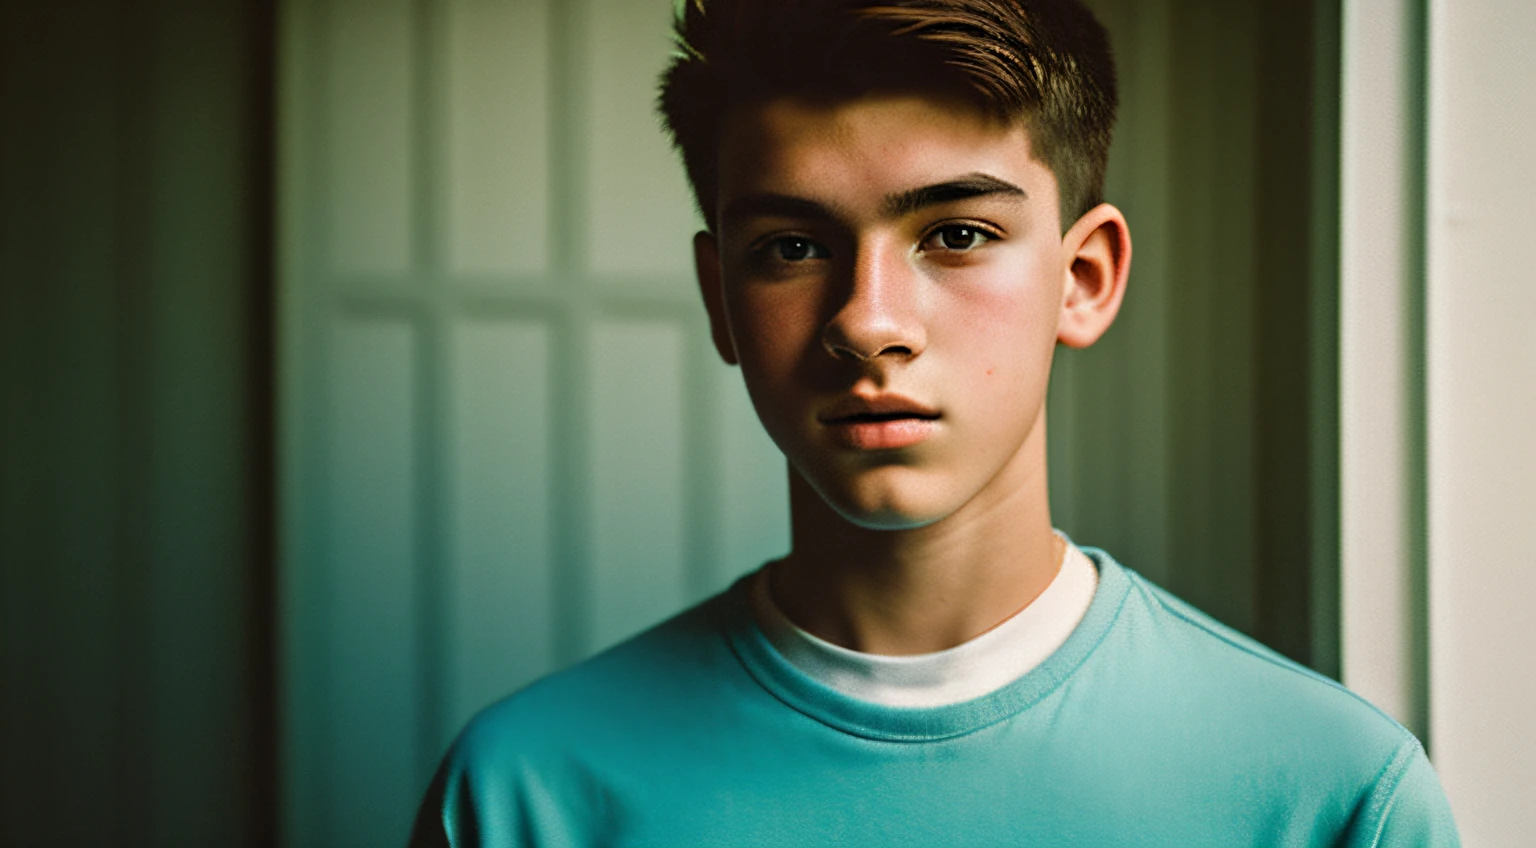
(634, 687)
(1208, 701)
(542, 756)
(1211, 649)
(1242, 675)
(1183, 669)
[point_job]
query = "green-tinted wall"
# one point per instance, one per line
(1198, 440)
(135, 545)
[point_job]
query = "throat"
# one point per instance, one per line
(898, 607)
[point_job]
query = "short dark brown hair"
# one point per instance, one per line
(1046, 63)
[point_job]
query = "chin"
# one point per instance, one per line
(891, 520)
(888, 500)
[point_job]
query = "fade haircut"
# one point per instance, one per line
(1045, 63)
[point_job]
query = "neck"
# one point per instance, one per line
(923, 589)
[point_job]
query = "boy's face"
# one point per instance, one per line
(890, 273)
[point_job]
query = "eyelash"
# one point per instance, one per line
(764, 256)
(762, 252)
(987, 234)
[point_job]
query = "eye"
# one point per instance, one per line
(795, 249)
(956, 237)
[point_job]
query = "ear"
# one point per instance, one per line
(1098, 252)
(706, 265)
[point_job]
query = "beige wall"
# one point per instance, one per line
(1481, 368)
(1438, 340)
(1381, 442)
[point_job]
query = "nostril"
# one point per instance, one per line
(840, 351)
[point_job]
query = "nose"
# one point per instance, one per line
(881, 315)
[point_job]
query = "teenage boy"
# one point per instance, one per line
(904, 216)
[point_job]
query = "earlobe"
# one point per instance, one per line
(1098, 253)
(706, 266)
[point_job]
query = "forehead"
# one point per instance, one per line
(862, 149)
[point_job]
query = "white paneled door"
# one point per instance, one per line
(506, 441)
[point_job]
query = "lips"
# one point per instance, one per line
(876, 407)
(879, 422)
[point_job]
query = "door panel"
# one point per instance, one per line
(507, 442)
(496, 207)
(370, 157)
(499, 619)
(371, 650)
(640, 218)
(639, 558)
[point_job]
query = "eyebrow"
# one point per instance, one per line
(968, 186)
(894, 205)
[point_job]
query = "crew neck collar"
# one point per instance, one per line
(980, 665)
(910, 724)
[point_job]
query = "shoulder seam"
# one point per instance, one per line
(1390, 775)
(1289, 666)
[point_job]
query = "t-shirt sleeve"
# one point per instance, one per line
(1406, 806)
(461, 811)
(481, 799)
(455, 815)
(431, 829)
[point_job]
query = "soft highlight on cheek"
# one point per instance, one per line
(994, 321)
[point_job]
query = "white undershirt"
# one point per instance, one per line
(969, 670)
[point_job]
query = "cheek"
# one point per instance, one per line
(1002, 334)
(772, 328)
(772, 333)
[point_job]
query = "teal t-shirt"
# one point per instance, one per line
(1151, 725)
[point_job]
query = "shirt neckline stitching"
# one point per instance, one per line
(879, 722)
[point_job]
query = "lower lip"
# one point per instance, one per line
(881, 435)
